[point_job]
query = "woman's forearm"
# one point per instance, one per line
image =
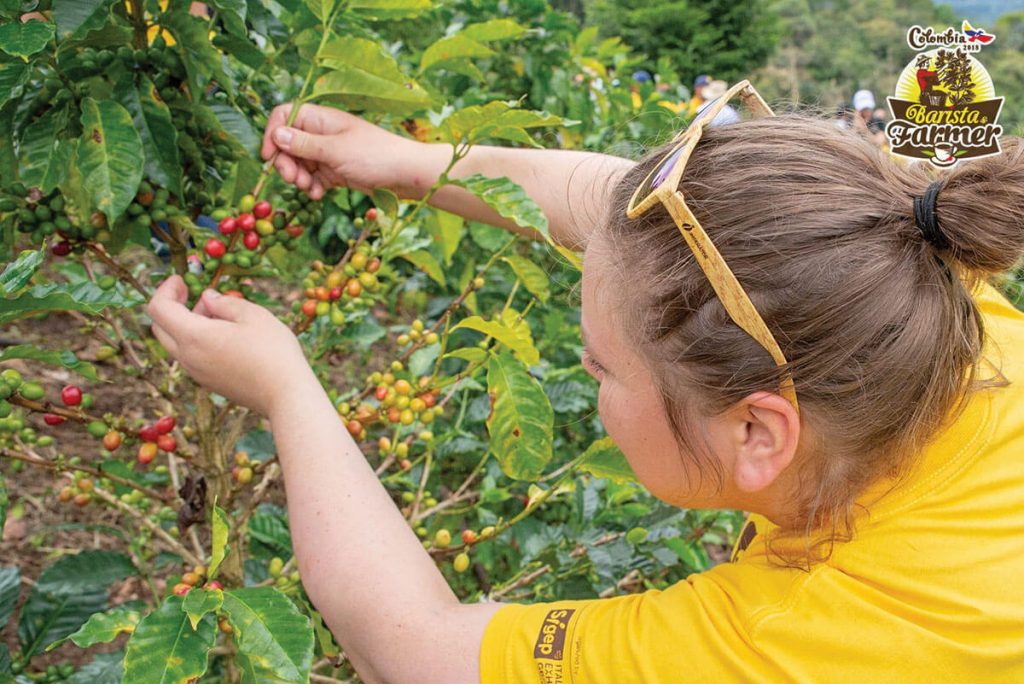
(571, 187)
(361, 563)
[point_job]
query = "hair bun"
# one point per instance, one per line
(980, 210)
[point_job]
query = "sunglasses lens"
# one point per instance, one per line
(658, 175)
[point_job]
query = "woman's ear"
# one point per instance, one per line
(766, 431)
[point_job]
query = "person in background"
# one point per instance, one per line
(640, 77)
(699, 97)
(865, 120)
(713, 91)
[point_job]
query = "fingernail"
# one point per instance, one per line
(283, 136)
(212, 294)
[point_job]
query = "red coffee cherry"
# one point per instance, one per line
(215, 248)
(71, 395)
(227, 226)
(262, 209)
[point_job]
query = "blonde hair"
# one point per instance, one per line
(882, 335)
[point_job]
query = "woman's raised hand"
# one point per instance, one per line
(325, 148)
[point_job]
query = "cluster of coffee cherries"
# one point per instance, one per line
(325, 288)
(242, 472)
(42, 215)
(193, 578)
(416, 333)
(443, 538)
(404, 403)
(253, 221)
(285, 583)
(156, 437)
(80, 492)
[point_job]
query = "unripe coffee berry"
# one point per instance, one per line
(461, 563)
(442, 538)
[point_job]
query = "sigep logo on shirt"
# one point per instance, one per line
(945, 108)
(551, 639)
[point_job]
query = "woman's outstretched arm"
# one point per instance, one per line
(326, 147)
(382, 596)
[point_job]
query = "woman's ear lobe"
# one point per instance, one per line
(768, 442)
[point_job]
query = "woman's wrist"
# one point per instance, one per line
(300, 386)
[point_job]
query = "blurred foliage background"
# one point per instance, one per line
(811, 52)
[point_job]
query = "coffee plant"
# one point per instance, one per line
(450, 348)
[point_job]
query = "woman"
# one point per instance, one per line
(887, 525)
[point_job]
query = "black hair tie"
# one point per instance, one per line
(926, 218)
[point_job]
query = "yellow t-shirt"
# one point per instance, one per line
(929, 589)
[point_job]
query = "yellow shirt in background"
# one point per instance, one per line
(929, 590)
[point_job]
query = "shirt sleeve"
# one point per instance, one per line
(693, 628)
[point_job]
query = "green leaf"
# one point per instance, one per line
(110, 155)
(275, 641)
(689, 552)
(221, 526)
(84, 297)
(323, 635)
(65, 358)
(381, 10)
(152, 119)
(386, 202)
(106, 668)
(10, 588)
(446, 231)
(604, 459)
(270, 531)
(508, 199)
(426, 262)
(512, 333)
(321, 9)
(198, 602)
(470, 354)
(66, 594)
(364, 76)
(76, 18)
(241, 179)
(13, 76)
(495, 29)
(421, 360)
(237, 125)
(164, 649)
(452, 48)
(521, 418)
(530, 275)
(18, 272)
(102, 628)
(5, 501)
(6, 676)
(232, 12)
(23, 39)
(495, 120)
(202, 61)
(43, 156)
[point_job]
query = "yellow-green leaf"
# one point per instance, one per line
(604, 459)
(380, 10)
(530, 275)
(452, 48)
(198, 602)
(521, 418)
(446, 231)
(508, 199)
(164, 649)
(364, 76)
(110, 156)
(275, 641)
(516, 336)
(426, 262)
(221, 527)
(103, 628)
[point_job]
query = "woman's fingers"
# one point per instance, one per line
(167, 309)
(166, 340)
